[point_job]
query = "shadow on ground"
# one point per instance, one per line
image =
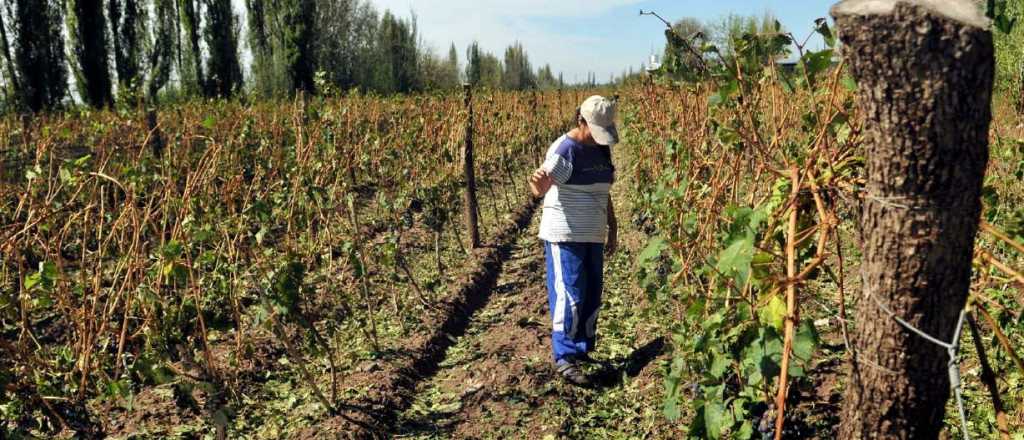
(613, 372)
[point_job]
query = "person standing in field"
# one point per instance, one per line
(578, 228)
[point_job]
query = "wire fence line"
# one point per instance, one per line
(952, 349)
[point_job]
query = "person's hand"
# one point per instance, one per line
(540, 182)
(613, 242)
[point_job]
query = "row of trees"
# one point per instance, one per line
(101, 51)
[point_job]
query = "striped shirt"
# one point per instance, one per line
(576, 206)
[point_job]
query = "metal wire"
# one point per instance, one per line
(952, 349)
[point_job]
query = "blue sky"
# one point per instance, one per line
(574, 36)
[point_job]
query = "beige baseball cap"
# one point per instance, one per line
(599, 112)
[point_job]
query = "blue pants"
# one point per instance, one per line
(575, 280)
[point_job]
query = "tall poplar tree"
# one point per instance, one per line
(518, 74)
(260, 45)
(39, 54)
(221, 34)
(297, 35)
(473, 72)
(452, 66)
(191, 67)
(162, 47)
(87, 37)
(11, 88)
(127, 24)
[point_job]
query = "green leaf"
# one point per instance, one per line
(735, 260)
(714, 418)
(209, 122)
(654, 249)
(671, 408)
(172, 250)
(805, 341)
(45, 278)
(261, 235)
(724, 93)
(81, 161)
(745, 431)
(849, 83)
(815, 63)
(720, 364)
(728, 137)
(773, 313)
(49, 271)
(761, 357)
(33, 280)
(286, 286)
(1005, 24)
(33, 173)
(760, 265)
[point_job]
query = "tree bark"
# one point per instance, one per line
(925, 76)
(87, 34)
(5, 50)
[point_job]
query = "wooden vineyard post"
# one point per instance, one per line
(924, 72)
(561, 111)
(467, 167)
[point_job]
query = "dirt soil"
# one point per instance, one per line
(498, 380)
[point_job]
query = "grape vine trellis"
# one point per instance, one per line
(294, 227)
(750, 176)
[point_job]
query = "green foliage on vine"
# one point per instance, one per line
(729, 345)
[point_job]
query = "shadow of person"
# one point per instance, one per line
(613, 372)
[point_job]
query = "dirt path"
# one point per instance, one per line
(499, 370)
(497, 380)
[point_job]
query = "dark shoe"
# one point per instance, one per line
(570, 372)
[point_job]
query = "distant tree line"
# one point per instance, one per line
(724, 33)
(103, 52)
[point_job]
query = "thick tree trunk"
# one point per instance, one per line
(925, 72)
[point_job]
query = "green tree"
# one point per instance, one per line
(518, 73)
(261, 47)
(545, 78)
(473, 68)
(221, 34)
(491, 71)
(346, 42)
(728, 32)
(88, 39)
(396, 44)
(39, 54)
(296, 47)
(432, 71)
(482, 69)
(452, 67)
